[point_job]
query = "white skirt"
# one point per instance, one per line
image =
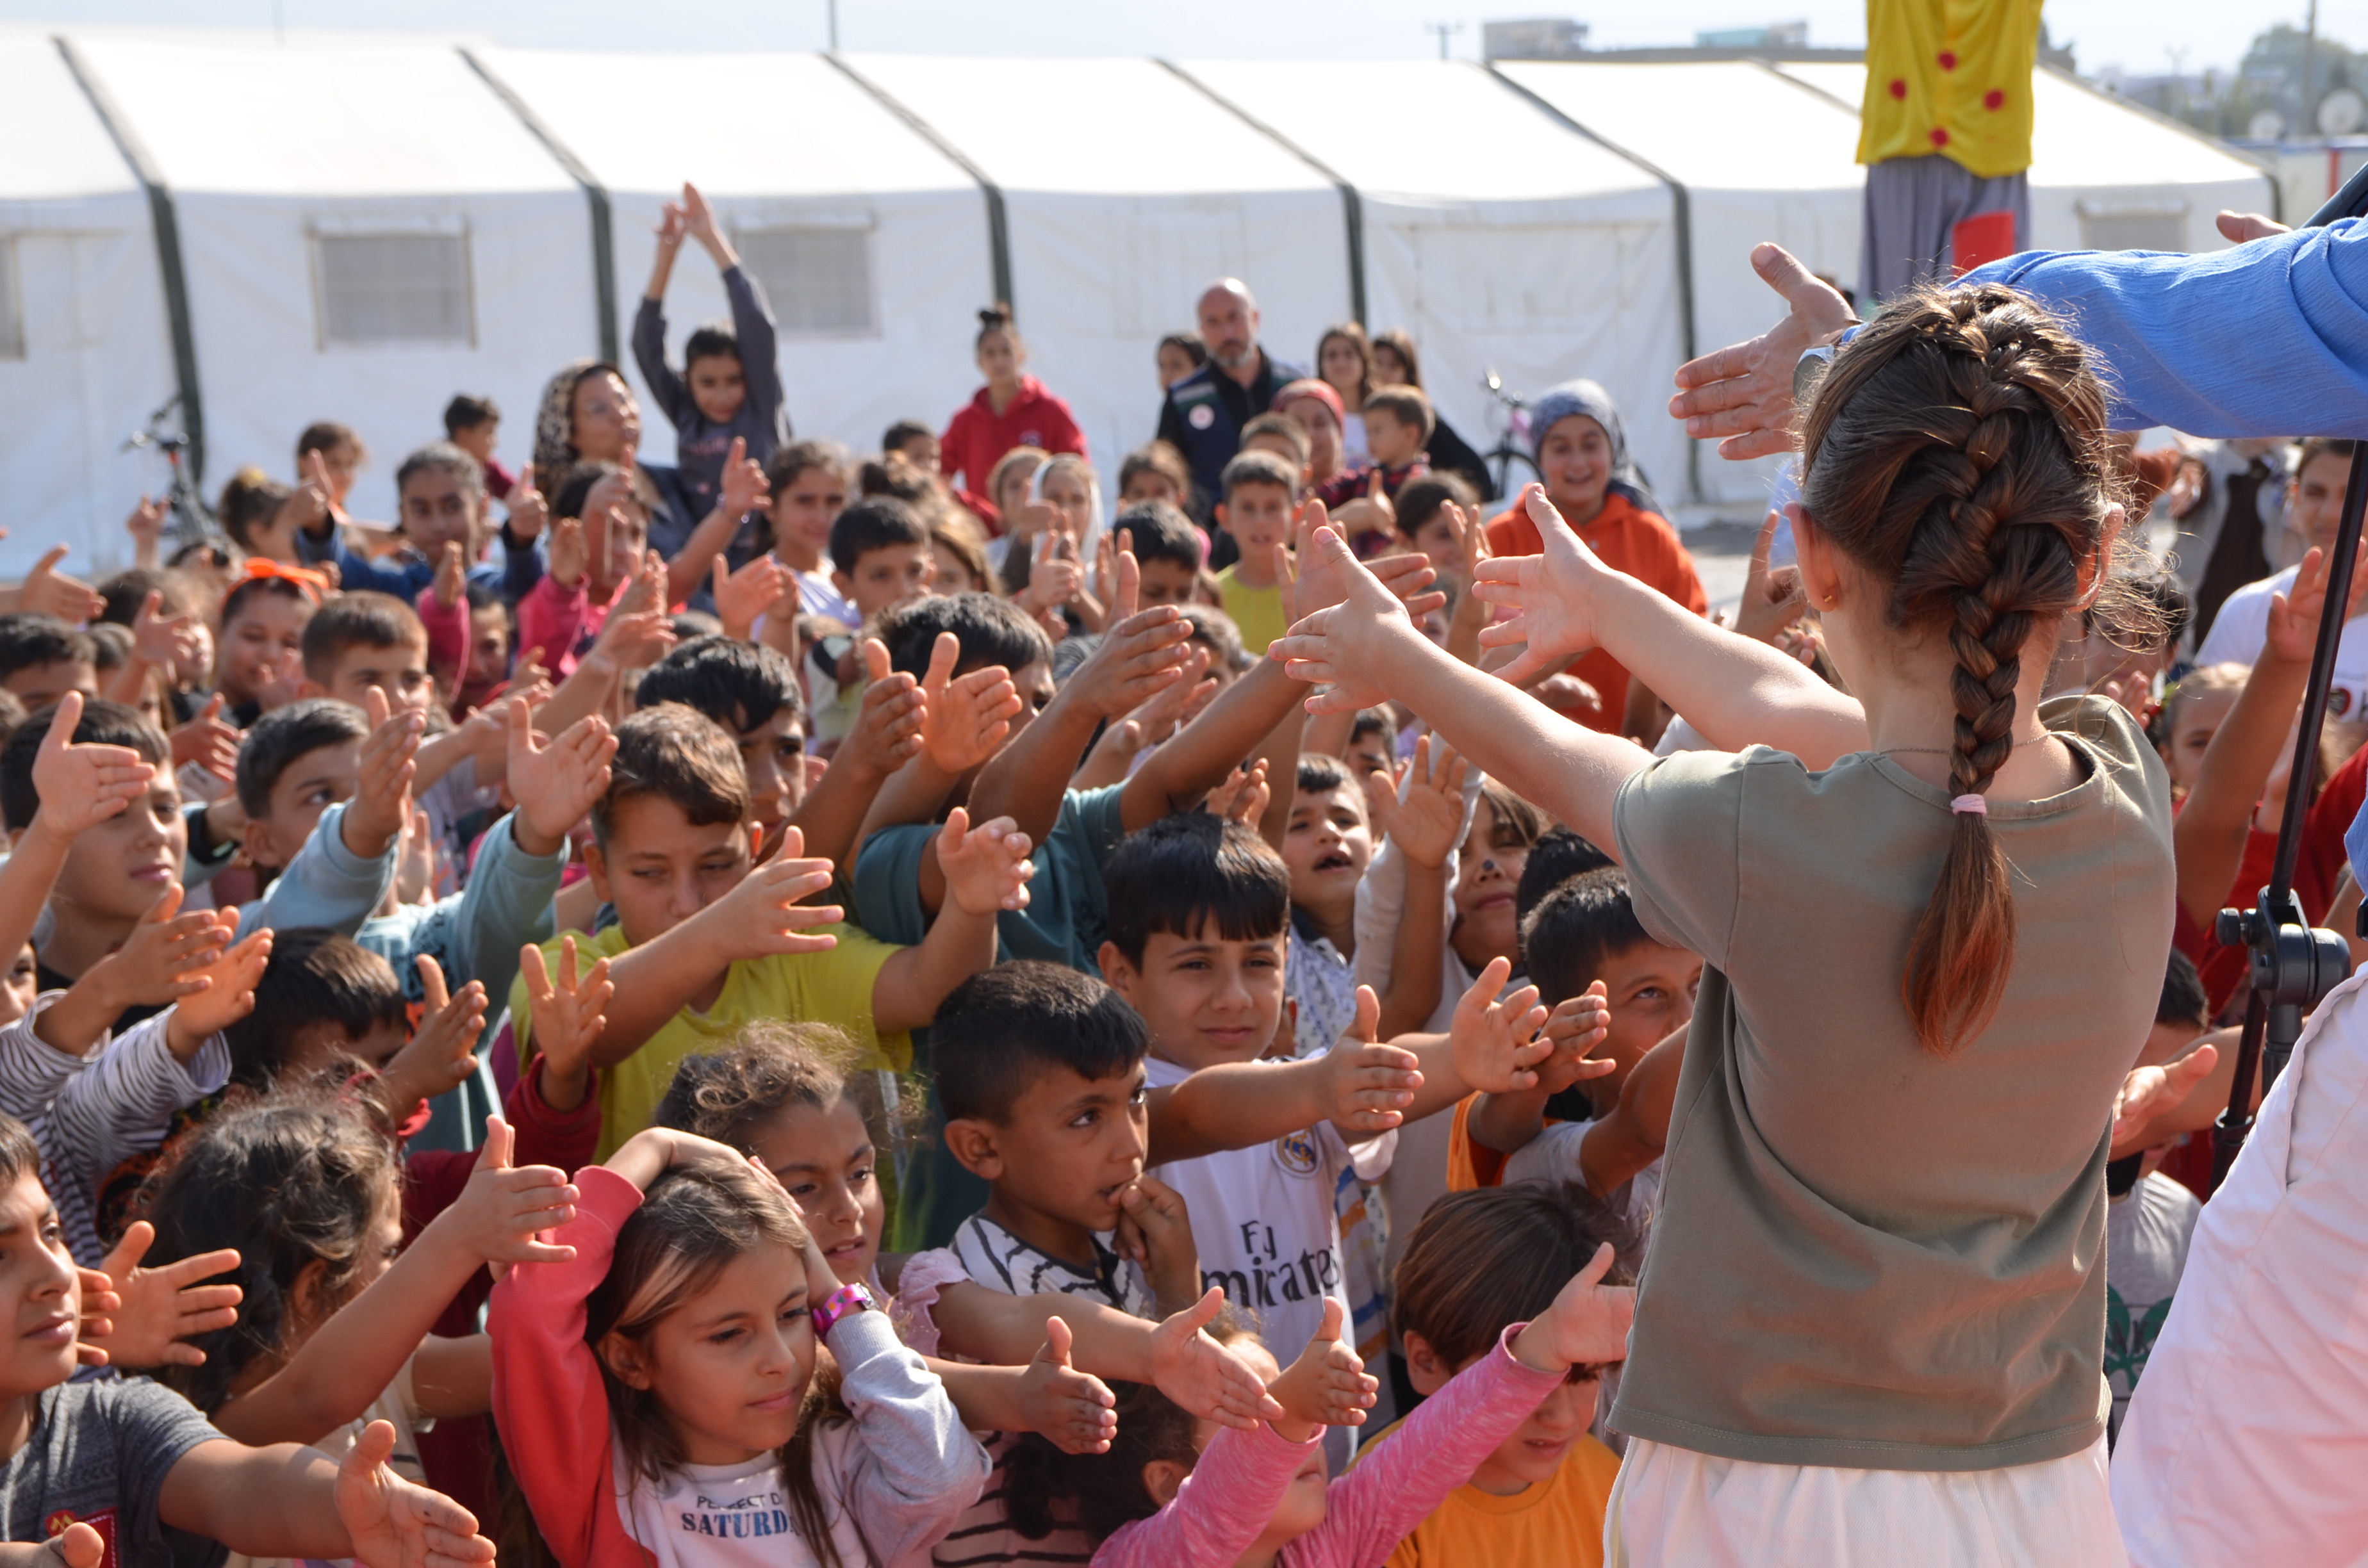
(1675, 1508)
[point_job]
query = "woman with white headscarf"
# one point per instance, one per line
(1582, 452)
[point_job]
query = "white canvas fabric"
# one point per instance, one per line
(1760, 159)
(271, 150)
(1494, 236)
(84, 353)
(781, 143)
(1128, 192)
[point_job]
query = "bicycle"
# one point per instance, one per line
(192, 521)
(1512, 449)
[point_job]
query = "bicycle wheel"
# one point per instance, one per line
(1511, 467)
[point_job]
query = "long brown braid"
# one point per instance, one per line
(1957, 449)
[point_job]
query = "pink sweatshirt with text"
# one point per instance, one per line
(1226, 1502)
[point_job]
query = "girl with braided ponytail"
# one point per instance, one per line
(1935, 912)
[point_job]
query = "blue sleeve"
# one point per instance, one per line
(760, 359)
(649, 358)
(506, 905)
(358, 572)
(522, 566)
(2270, 338)
(326, 884)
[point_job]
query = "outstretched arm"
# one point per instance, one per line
(1369, 646)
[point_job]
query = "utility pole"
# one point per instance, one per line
(1449, 30)
(2309, 60)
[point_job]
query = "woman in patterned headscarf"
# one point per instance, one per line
(588, 415)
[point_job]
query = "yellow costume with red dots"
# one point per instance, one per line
(1952, 77)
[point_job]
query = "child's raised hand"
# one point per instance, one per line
(967, 717)
(451, 581)
(763, 915)
(745, 487)
(165, 641)
(670, 224)
(1073, 1411)
(1328, 1386)
(1550, 594)
(571, 555)
(396, 1524)
(566, 1016)
(741, 596)
(1242, 795)
(315, 497)
(887, 733)
(81, 786)
(146, 523)
(1155, 1231)
(153, 1312)
(1371, 1082)
(529, 513)
(437, 1056)
(2150, 1092)
(1140, 657)
(1587, 1325)
(698, 217)
(503, 1206)
(633, 640)
(1773, 598)
(1576, 1027)
(1203, 1377)
(1427, 824)
(2292, 630)
(48, 591)
(986, 868)
(1496, 1045)
(414, 861)
(555, 782)
(1333, 645)
(226, 991)
(164, 959)
(210, 741)
(382, 804)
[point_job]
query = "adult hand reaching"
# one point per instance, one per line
(1744, 393)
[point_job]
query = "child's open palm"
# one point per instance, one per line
(1550, 594)
(2293, 630)
(1141, 656)
(965, 718)
(1496, 1045)
(226, 994)
(505, 1208)
(165, 641)
(741, 596)
(437, 1056)
(555, 782)
(382, 803)
(571, 556)
(48, 591)
(395, 1524)
(887, 733)
(1586, 1324)
(1371, 1082)
(1425, 823)
(1155, 1231)
(165, 957)
(1327, 1385)
(1203, 1377)
(986, 868)
(1576, 1027)
(1330, 646)
(567, 1012)
(764, 913)
(82, 786)
(745, 487)
(1242, 795)
(1073, 1411)
(150, 1312)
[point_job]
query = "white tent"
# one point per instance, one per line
(2104, 175)
(84, 354)
(367, 230)
(869, 242)
(1127, 191)
(1494, 235)
(1759, 160)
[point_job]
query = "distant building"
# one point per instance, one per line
(1538, 38)
(1775, 35)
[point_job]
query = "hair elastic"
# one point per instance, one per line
(1973, 805)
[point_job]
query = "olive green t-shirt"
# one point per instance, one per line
(1867, 1255)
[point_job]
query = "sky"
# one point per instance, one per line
(2143, 37)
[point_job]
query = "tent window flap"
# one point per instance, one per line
(376, 290)
(12, 302)
(818, 280)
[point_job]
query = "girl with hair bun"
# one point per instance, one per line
(1934, 914)
(1012, 410)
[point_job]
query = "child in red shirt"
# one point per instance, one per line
(1011, 410)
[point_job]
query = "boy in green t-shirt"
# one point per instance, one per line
(707, 938)
(1262, 495)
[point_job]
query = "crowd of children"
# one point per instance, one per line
(793, 1009)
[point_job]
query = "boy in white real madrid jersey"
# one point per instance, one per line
(1200, 912)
